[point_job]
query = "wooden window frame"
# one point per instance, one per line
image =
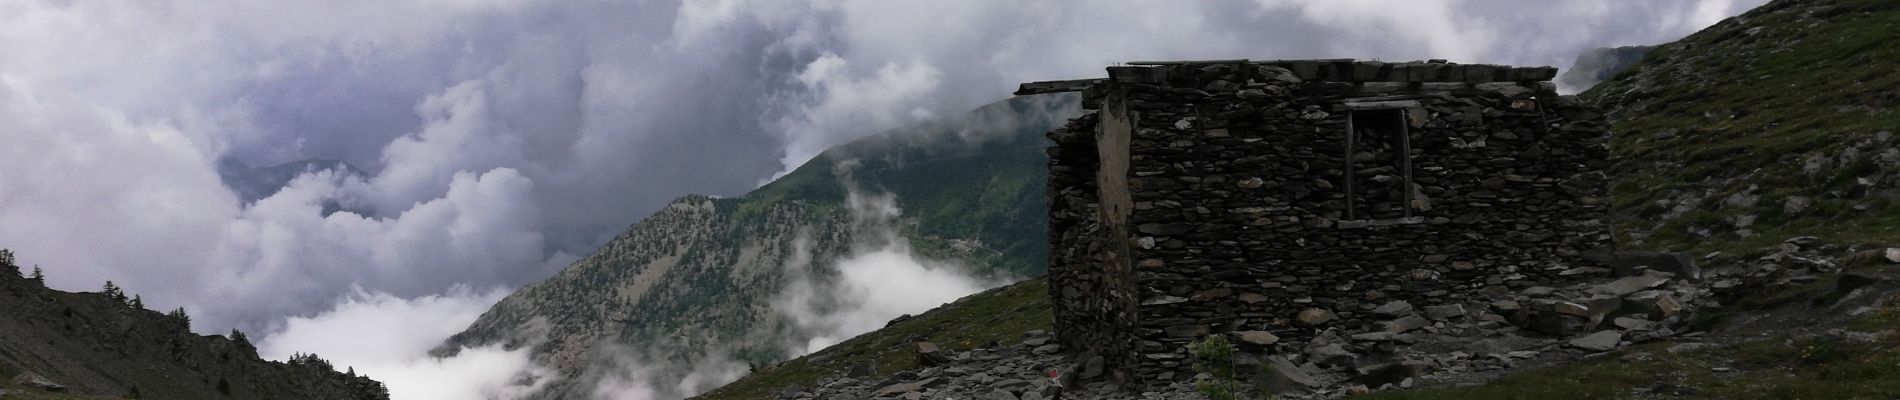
(1404, 107)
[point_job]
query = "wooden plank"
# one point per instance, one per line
(1046, 87)
(1350, 174)
(1377, 105)
(1150, 63)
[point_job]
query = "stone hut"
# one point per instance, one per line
(1272, 200)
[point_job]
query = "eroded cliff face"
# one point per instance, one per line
(690, 296)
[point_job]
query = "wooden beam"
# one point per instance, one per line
(1144, 63)
(1376, 105)
(1046, 87)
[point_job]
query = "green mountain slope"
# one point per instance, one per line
(1772, 124)
(698, 278)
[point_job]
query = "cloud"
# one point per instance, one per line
(880, 280)
(387, 338)
(827, 301)
(849, 106)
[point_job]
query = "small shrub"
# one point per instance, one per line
(1214, 356)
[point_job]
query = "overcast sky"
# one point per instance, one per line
(506, 137)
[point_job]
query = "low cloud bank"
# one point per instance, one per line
(880, 280)
(825, 302)
(388, 338)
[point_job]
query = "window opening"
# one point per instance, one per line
(1379, 185)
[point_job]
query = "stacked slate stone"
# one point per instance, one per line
(1239, 174)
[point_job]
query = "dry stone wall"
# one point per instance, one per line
(1255, 214)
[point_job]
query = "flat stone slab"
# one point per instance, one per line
(1599, 342)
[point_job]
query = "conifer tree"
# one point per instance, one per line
(137, 302)
(7, 265)
(38, 277)
(179, 314)
(238, 336)
(113, 291)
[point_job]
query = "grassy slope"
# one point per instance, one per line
(1751, 107)
(1000, 315)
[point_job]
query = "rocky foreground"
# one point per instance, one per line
(1665, 299)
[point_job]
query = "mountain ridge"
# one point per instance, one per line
(969, 189)
(103, 344)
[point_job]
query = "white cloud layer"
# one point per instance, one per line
(388, 338)
(880, 280)
(827, 301)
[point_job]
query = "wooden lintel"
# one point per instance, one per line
(1046, 87)
(1377, 105)
(1239, 61)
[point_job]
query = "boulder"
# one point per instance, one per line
(1658, 304)
(1647, 280)
(1282, 376)
(1331, 354)
(1893, 255)
(35, 381)
(1634, 262)
(1000, 394)
(1315, 317)
(1598, 342)
(1403, 325)
(929, 355)
(1394, 309)
(1256, 339)
(1393, 372)
(1630, 323)
(1445, 312)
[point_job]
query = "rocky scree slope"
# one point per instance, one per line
(699, 277)
(56, 344)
